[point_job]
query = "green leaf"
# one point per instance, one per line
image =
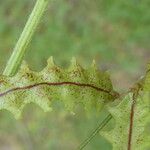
(147, 79)
(131, 126)
(90, 87)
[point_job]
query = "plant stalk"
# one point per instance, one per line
(25, 38)
(95, 132)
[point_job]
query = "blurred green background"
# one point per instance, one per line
(116, 33)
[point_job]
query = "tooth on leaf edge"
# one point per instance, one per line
(75, 65)
(51, 66)
(50, 62)
(94, 64)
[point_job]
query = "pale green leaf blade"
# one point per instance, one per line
(90, 87)
(123, 130)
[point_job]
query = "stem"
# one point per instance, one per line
(93, 134)
(25, 38)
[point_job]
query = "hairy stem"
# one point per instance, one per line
(94, 133)
(25, 37)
